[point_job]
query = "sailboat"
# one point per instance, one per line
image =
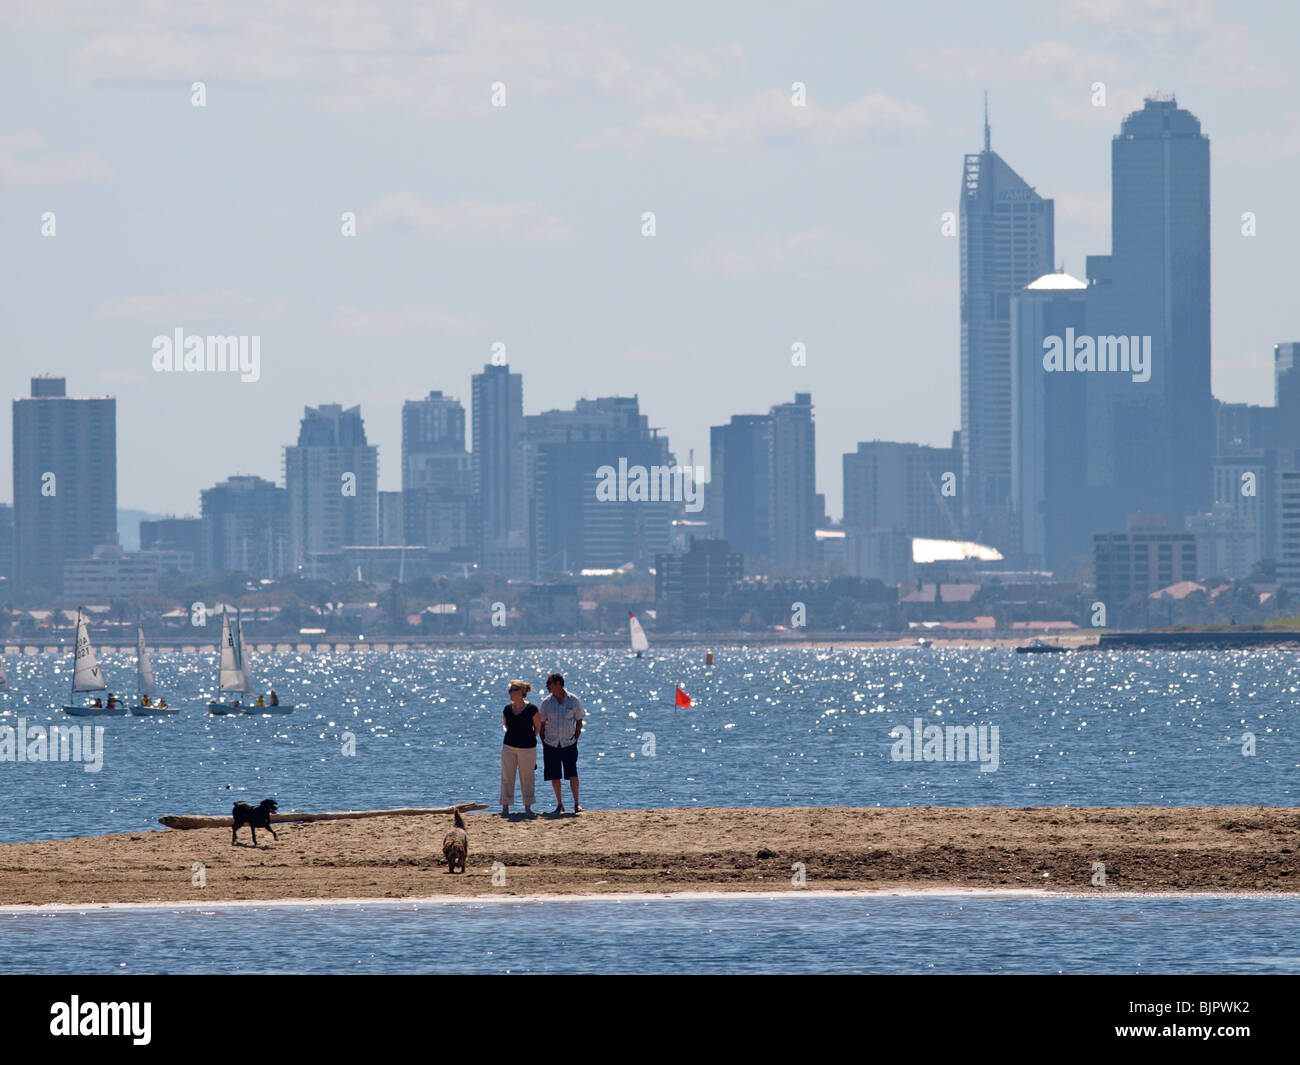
(235, 675)
(230, 676)
(144, 683)
(87, 678)
(4, 677)
(640, 645)
(262, 706)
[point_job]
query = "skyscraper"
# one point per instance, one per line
(65, 481)
(498, 475)
(6, 541)
(1048, 425)
(794, 510)
(1151, 443)
(1006, 242)
(1286, 392)
(740, 487)
(332, 477)
(762, 491)
(438, 508)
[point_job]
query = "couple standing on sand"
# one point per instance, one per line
(559, 723)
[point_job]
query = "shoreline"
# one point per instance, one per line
(681, 853)
(1074, 638)
(937, 639)
(499, 899)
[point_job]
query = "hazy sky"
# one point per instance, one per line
(522, 224)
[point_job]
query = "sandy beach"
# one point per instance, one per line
(1143, 849)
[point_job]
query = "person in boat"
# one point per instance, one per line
(112, 701)
(275, 699)
(162, 704)
(144, 701)
(96, 704)
(519, 749)
(261, 701)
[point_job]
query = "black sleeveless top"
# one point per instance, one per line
(519, 727)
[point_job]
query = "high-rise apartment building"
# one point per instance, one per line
(498, 476)
(1286, 392)
(1287, 534)
(245, 528)
(762, 487)
(438, 507)
(794, 511)
(332, 477)
(1007, 234)
(6, 541)
(65, 481)
(740, 487)
(570, 456)
(897, 487)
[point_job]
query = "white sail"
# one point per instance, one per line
(243, 655)
(85, 673)
(143, 667)
(4, 677)
(639, 642)
(232, 674)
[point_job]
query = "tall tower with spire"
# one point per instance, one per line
(1006, 242)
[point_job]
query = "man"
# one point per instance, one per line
(562, 716)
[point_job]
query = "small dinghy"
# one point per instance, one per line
(640, 645)
(144, 681)
(87, 678)
(235, 676)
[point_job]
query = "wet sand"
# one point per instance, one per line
(1143, 849)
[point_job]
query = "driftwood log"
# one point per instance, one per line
(203, 821)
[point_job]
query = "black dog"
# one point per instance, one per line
(254, 817)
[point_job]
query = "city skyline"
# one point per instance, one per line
(776, 226)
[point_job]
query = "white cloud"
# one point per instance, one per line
(763, 116)
(26, 160)
(371, 322)
(435, 59)
(1257, 149)
(469, 221)
(182, 308)
(806, 252)
(1186, 35)
(1041, 59)
(1143, 18)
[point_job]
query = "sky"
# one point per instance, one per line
(522, 224)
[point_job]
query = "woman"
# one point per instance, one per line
(519, 751)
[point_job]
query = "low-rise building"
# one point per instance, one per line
(695, 583)
(111, 573)
(1144, 557)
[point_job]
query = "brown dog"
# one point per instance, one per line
(455, 846)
